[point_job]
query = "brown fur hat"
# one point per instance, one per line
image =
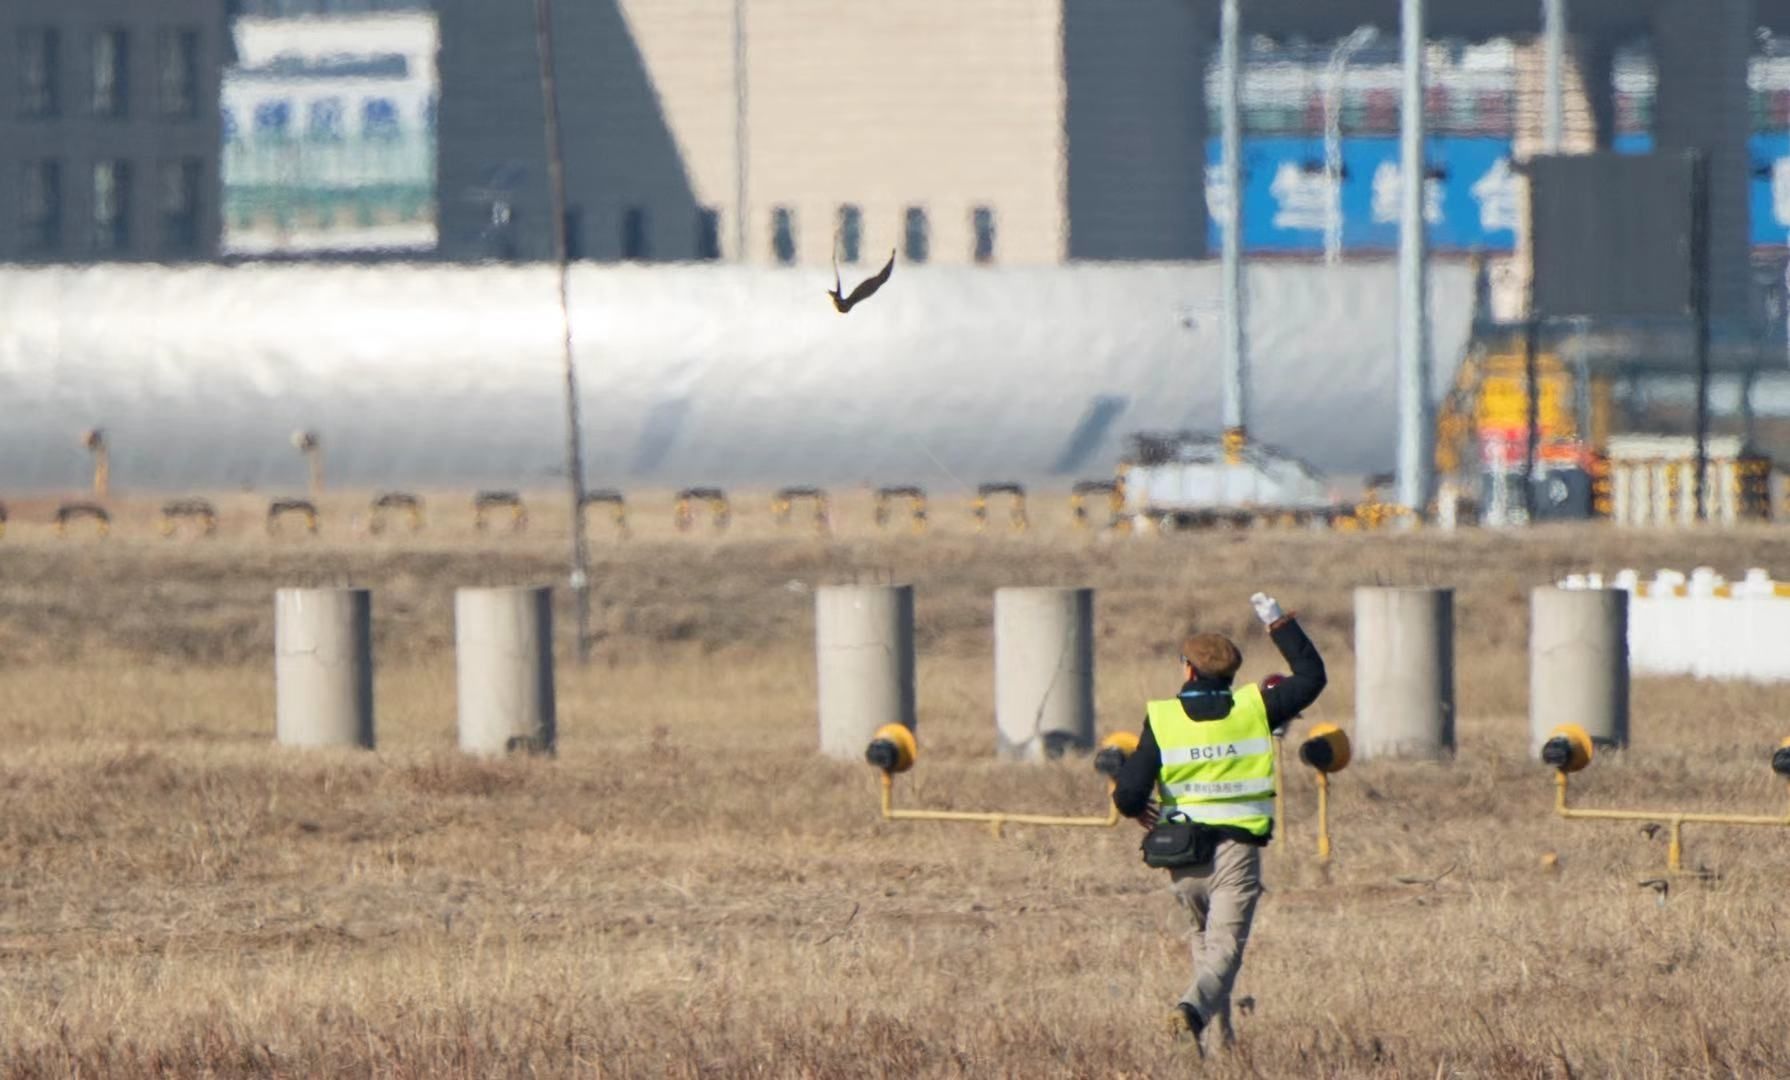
(1213, 656)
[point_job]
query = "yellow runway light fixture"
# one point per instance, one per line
(396, 502)
(1112, 492)
(887, 499)
(615, 501)
(200, 511)
(279, 508)
(893, 749)
(76, 511)
(720, 510)
(1325, 750)
(1569, 750)
(784, 502)
(1016, 507)
(484, 502)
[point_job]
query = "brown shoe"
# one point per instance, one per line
(1184, 1023)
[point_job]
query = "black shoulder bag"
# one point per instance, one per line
(1173, 845)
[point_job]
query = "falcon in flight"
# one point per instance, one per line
(864, 289)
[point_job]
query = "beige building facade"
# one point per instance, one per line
(775, 131)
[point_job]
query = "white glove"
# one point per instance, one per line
(1267, 608)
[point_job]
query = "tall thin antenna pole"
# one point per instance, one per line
(556, 178)
(739, 130)
(1553, 94)
(1699, 163)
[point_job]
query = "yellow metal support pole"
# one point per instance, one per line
(1675, 821)
(1323, 817)
(996, 820)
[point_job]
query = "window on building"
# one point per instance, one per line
(916, 235)
(111, 206)
(179, 205)
(379, 119)
(177, 63)
(326, 121)
(40, 65)
(708, 233)
(272, 119)
(982, 221)
(40, 207)
(574, 234)
(111, 73)
(851, 233)
(634, 234)
(783, 234)
(227, 123)
(431, 112)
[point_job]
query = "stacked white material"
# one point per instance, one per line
(1705, 626)
(1653, 480)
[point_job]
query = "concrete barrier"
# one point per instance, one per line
(1404, 673)
(323, 667)
(503, 658)
(1044, 671)
(864, 659)
(1578, 663)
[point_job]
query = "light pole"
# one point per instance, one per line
(1236, 357)
(1333, 91)
(1415, 461)
(556, 181)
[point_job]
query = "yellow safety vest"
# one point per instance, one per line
(1218, 772)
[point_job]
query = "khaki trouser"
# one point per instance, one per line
(1220, 899)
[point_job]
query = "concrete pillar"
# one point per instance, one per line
(1702, 50)
(1404, 673)
(503, 660)
(1043, 672)
(1578, 663)
(323, 667)
(864, 652)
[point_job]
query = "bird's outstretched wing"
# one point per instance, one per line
(869, 285)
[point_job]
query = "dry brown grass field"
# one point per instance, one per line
(687, 889)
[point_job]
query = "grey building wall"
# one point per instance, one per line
(619, 150)
(1702, 52)
(1135, 129)
(145, 137)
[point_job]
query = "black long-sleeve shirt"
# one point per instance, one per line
(1210, 699)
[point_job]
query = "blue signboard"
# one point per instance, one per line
(1470, 198)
